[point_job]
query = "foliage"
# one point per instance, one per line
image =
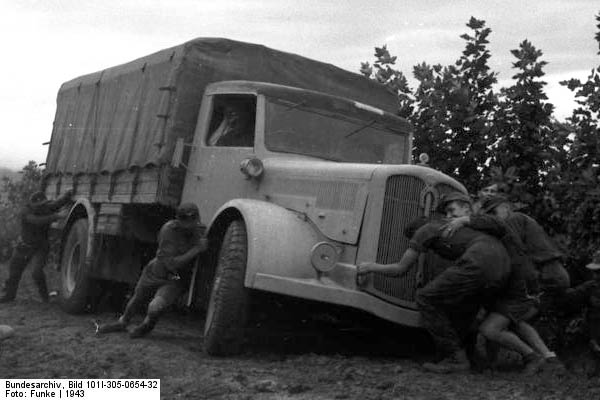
(383, 71)
(15, 193)
(455, 108)
(577, 184)
(480, 136)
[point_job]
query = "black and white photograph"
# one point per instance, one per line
(310, 199)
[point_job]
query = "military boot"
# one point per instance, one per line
(117, 326)
(456, 362)
(533, 363)
(42, 288)
(10, 291)
(143, 329)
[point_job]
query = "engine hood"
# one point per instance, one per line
(333, 195)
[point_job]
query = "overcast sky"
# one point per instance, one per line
(47, 42)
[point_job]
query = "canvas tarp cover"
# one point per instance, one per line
(131, 115)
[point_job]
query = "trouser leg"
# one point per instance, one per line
(38, 263)
(165, 296)
(455, 288)
(17, 264)
(142, 293)
(495, 328)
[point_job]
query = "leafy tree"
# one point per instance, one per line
(527, 139)
(383, 71)
(452, 108)
(455, 109)
(577, 184)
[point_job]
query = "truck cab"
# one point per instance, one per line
(310, 184)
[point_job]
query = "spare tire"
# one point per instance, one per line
(74, 269)
(228, 305)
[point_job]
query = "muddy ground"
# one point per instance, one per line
(291, 353)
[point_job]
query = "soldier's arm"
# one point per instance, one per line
(421, 241)
(408, 259)
(488, 224)
(42, 220)
(180, 262)
(57, 204)
(201, 245)
(483, 223)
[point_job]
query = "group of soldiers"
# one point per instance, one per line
(161, 283)
(502, 261)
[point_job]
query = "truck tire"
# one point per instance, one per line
(228, 305)
(74, 278)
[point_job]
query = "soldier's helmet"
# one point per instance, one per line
(37, 198)
(453, 196)
(187, 212)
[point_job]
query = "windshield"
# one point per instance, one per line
(357, 136)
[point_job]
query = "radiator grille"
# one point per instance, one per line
(403, 202)
(400, 206)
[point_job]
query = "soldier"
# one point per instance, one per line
(552, 275)
(514, 307)
(33, 246)
(167, 275)
(479, 272)
(236, 128)
(588, 295)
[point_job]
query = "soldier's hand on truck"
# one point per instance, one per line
(365, 267)
(361, 274)
(62, 214)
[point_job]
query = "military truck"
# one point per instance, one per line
(316, 178)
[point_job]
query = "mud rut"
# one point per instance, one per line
(293, 351)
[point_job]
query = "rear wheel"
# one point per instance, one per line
(74, 275)
(228, 305)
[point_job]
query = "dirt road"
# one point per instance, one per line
(298, 361)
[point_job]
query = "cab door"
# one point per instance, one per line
(225, 137)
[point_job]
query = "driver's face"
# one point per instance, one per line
(231, 113)
(457, 209)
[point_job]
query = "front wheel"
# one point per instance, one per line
(228, 305)
(74, 271)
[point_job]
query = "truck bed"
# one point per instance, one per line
(115, 130)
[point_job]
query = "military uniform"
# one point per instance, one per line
(479, 272)
(166, 276)
(513, 301)
(33, 246)
(546, 258)
(587, 295)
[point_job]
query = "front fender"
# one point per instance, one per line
(279, 240)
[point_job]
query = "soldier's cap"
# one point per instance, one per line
(37, 198)
(454, 196)
(595, 264)
(490, 203)
(187, 211)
